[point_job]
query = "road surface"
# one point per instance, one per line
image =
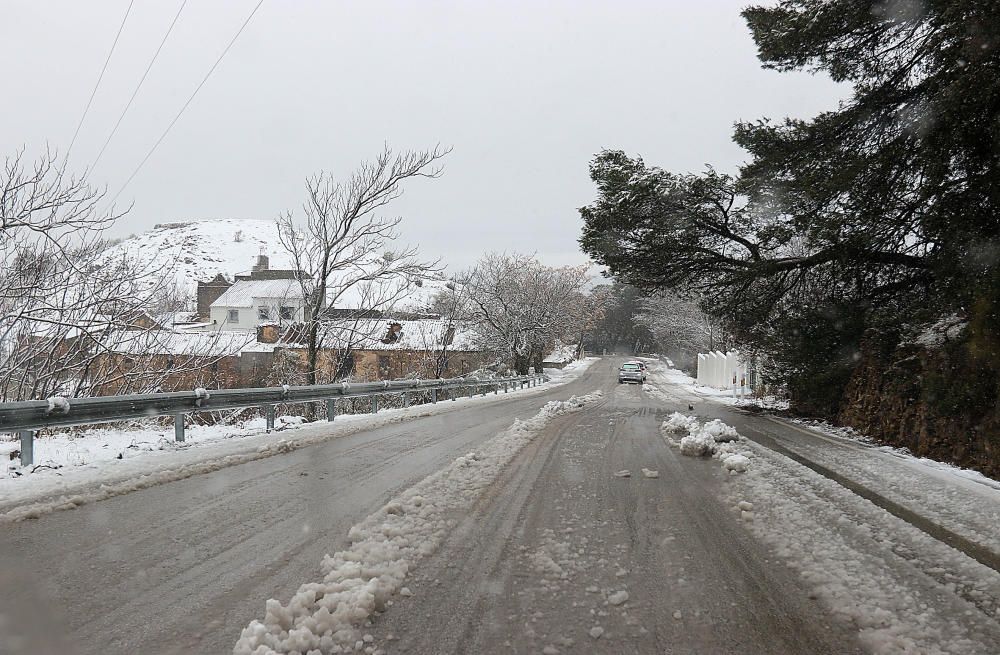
(538, 565)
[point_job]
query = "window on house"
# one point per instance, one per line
(263, 313)
(287, 313)
(234, 316)
(383, 367)
(449, 336)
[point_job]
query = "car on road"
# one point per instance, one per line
(642, 367)
(631, 372)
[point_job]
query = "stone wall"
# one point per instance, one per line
(940, 401)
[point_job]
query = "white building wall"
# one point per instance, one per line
(249, 317)
(716, 369)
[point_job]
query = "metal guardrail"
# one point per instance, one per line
(26, 417)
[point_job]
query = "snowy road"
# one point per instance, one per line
(546, 554)
(559, 555)
(183, 567)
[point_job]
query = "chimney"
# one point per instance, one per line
(209, 292)
(268, 333)
(261, 264)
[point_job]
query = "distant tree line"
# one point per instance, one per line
(877, 216)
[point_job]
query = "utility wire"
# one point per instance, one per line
(139, 85)
(197, 89)
(99, 78)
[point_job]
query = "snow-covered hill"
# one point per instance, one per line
(200, 250)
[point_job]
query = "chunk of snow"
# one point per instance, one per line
(650, 474)
(618, 597)
(737, 463)
(697, 445)
(58, 402)
(679, 423)
(745, 506)
(596, 632)
(719, 431)
(623, 474)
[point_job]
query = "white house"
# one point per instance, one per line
(248, 303)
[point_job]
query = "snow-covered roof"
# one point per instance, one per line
(165, 342)
(420, 334)
(243, 293)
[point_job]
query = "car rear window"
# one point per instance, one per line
(630, 367)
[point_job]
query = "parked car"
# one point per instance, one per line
(631, 372)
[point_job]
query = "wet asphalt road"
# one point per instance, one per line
(183, 567)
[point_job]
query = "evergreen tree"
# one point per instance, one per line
(885, 209)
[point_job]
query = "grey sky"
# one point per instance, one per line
(525, 92)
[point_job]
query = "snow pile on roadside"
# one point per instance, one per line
(719, 431)
(904, 591)
(679, 423)
(714, 438)
(697, 445)
(326, 617)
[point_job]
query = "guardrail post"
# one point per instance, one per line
(374, 404)
(179, 428)
(27, 447)
(406, 399)
(434, 396)
(331, 409)
(269, 414)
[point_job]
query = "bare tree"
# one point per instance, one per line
(453, 305)
(521, 306)
(344, 242)
(679, 326)
(75, 318)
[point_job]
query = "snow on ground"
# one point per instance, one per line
(903, 590)
(714, 438)
(963, 501)
(90, 468)
(329, 616)
(665, 375)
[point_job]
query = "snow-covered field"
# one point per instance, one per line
(100, 463)
(329, 616)
(904, 591)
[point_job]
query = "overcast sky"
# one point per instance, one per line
(525, 92)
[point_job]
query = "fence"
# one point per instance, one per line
(725, 370)
(25, 418)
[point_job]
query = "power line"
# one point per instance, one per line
(99, 78)
(139, 85)
(197, 89)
